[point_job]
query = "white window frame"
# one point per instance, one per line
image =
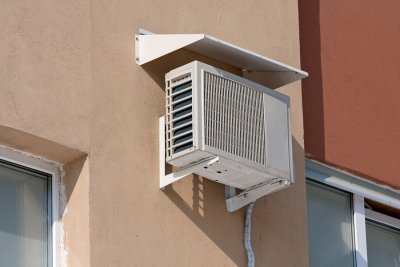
(53, 169)
(382, 218)
(359, 188)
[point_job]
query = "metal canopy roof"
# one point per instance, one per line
(149, 46)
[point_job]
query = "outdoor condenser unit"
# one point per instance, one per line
(243, 126)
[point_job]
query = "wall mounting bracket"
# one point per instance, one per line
(264, 70)
(166, 179)
(233, 201)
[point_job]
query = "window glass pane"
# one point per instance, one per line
(383, 246)
(329, 227)
(23, 218)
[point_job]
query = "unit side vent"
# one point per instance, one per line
(234, 118)
(179, 123)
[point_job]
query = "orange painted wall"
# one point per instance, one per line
(351, 99)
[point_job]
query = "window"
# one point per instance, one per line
(383, 239)
(28, 203)
(330, 226)
(351, 222)
(25, 211)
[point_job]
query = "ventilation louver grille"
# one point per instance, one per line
(179, 115)
(234, 118)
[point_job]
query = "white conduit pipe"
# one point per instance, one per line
(247, 235)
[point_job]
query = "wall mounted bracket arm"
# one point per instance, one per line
(166, 179)
(235, 202)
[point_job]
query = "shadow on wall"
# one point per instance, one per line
(206, 208)
(73, 170)
(313, 98)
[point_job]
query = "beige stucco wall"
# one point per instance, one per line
(76, 213)
(69, 78)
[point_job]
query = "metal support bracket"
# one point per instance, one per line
(235, 202)
(166, 179)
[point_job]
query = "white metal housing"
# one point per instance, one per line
(213, 113)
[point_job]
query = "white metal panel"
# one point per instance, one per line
(149, 47)
(234, 173)
(161, 150)
(239, 57)
(277, 115)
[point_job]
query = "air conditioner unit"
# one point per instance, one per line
(211, 113)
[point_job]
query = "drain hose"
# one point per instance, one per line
(247, 235)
